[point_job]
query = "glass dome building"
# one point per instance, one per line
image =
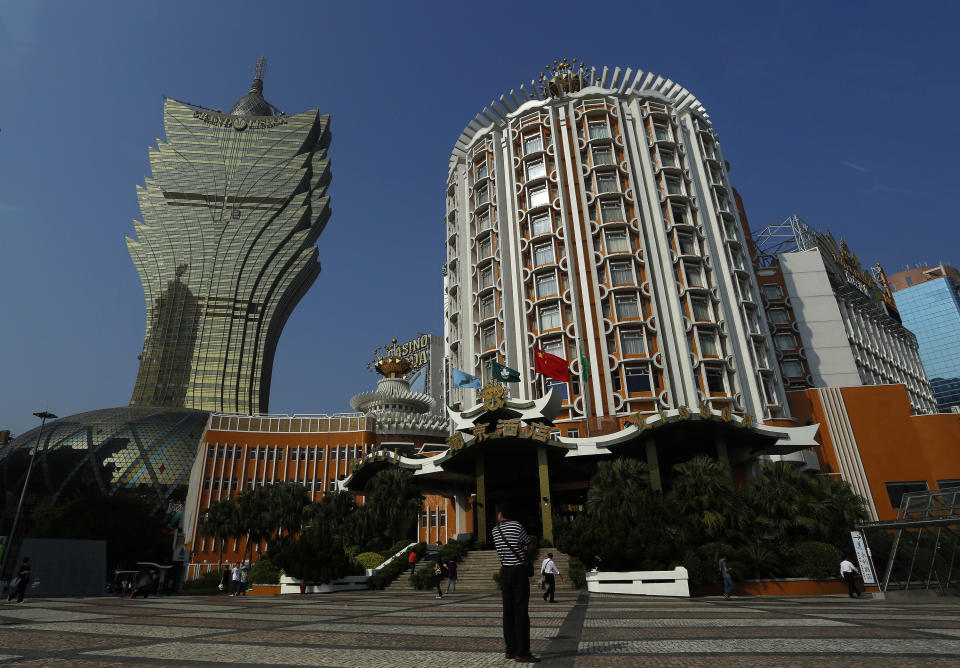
(147, 449)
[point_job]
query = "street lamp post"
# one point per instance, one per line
(8, 545)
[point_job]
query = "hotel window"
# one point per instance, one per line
(700, 308)
(481, 170)
(598, 130)
(320, 454)
(753, 320)
(546, 285)
(441, 518)
(686, 244)
(736, 257)
(792, 368)
(768, 392)
(553, 346)
(708, 345)
(714, 379)
(602, 155)
(483, 221)
(672, 185)
(294, 454)
(532, 144)
(948, 484)
(211, 451)
(541, 224)
(785, 341)
(760, 352)
(483, 195)
(627, 307)
(486, 277)
(485, 249)
(206, 483)
(550, 317)
(539, 197)
(716, 176)
(632, 342)
(617, 242)
(252, 453)
(722, 202)
(638, 379)
(679, 214)
(543, 254)
(607, 182)
(693, 274)
(536, 169)
(661, 132)
(896, 490)
(772, 291)
(667, 157)
(621, 273)
(708, 149)
(611, 212)
(487, 307)
(250, 483)
(778, 316)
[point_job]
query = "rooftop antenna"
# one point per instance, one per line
(259, 71)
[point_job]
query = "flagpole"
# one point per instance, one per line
(584, 387)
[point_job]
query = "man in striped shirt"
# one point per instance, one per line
(512, 543)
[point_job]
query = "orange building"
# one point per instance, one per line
(870, 437)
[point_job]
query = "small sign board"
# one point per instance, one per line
(863, 558)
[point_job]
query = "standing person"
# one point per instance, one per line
(549, 571)
(235, 579)
(849, 573)
(412, 561)
(451, 575)
(22, 580)
(244, 575)
(513, 543)
(725, 573)
(225, 580)
(438, 576)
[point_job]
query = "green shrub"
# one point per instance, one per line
(497, 576)
(206, 583)
(351, 551)
(390, 572)
(577, 573)
(420, 549)
(696, 572)
(818, 561)
(454, 550)
(369, 559)
(264, 572)
(422, 578)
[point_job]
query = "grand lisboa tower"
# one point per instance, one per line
(224, 251)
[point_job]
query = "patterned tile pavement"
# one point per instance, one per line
(379, 629)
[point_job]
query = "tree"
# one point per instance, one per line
(389, 511)
(220, 522)
(778, 498)
(254, 517)
(708, 504)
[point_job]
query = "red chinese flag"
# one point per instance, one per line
(550, 365)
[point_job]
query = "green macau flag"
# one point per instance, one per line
(505, 374)
(584, 366)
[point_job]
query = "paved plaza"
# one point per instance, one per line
(415, 629)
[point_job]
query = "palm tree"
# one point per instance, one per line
(254, 517)
(220, 522)
(779, 498)
(390, 506)
(287, 505)
(704, 495)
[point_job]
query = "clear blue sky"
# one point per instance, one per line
(845, 113)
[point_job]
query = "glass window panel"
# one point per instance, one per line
(543, 254)
(617, 242)
(701, 309)
(672, 184)
(532, 144)
(632, 342)
(638, 379)
(686, 244)
(778, 316)
(608, 182)
(550, 317)
(627, 306)
(536, 169)
(483, 195)
(539, 197)
(661, 132)
(602, 155)
(483, 221)
(621, 273)
(611, 212)
(667, 157)
(772, 291)
(546, 285)
(693, 273)
(554, 347)
(785, 341)
(679, 214)
(487, 307)
(714, 379)
(541, 224)
(708, 344)
(481, 170)
(486, 278)
(489, 337)
(598, 130)
(792, 368)
(485, 249)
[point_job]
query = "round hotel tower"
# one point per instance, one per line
(593, 212)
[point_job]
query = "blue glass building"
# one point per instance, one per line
(931, 310)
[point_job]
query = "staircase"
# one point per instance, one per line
(402, 583)
(475, 572)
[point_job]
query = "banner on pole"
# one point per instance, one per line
(866, 569)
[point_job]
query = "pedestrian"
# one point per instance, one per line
(235, 579)
(225, 580)
(19, 586)
(438, 576)
(512, 544)
(244, 575)
(549, 571)
(725, 574)
(849, 573)
(451, 575)
(412, 561)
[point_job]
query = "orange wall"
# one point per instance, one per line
(894, 445)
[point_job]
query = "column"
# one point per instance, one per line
(546, 507)
(653, 465)
(481, 506)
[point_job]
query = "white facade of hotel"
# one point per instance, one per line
(604, 220)
(849, 341)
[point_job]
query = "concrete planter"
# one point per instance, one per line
(289, 585)
(640, 583)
